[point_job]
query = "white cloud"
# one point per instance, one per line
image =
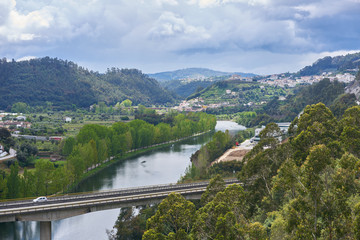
(173, 31)
(26, 58)
(167, 2)
(319, 9)
(214, 3)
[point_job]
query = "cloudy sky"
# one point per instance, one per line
(259, 36)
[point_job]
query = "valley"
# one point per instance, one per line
(65, 144)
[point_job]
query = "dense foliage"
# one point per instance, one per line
(308, 187)
(241, 93)
(202, 159)
(332, 64)
(95, 143)
(184, 88)
(219, 215)
(325, 91)
(93, 146)
(64, 84)
(305, 188)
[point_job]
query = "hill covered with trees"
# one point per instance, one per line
(186, 88)
(304, 188)
(241, 92)
(332, 94)
(65, 84)
(332, 64)
(193, 73)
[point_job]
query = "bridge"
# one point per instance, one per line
(61, 207)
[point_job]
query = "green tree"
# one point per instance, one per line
(216, 185)
(128, 225)
(126, 103)
(43, 176)
(174, 216)
(223, 217)
(68, 146)
(28, 184)
(75, 163)
(357, 221)
(13, 182)
(3, 187)
(5, 139)
(20, 107)
(26, 152)
(61, 179)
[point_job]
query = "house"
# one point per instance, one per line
(14, 125)
(55, 138)
(284, 127)
(20, 118)
(68, 119)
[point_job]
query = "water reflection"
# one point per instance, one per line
(164, 165)
(20, 231)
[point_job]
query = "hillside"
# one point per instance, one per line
(185, 88)
(354, 87)
(332, 94)
(238, 92)
(345, 63)
(63, 83)
(193, 73)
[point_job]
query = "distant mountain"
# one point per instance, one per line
(193, 73)
(349, 62)
(65, 84)
(185, 88)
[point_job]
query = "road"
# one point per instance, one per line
(10, 156)
(129, 195)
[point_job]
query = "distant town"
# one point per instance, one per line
(284, 80)
(291, 81)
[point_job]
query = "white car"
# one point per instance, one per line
(40, 199)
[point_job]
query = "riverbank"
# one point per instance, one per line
(129, 154)
(236, 153)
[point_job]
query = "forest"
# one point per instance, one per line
(243, 92)
(331, 93)
(306, 187)
(94, 146)
(64, 84)
(331, 64)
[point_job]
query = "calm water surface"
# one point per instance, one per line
(165, 165)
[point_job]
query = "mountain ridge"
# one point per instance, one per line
(64, 84)
(340, 63)
(193, 73)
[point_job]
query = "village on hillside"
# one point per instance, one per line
(281, 80)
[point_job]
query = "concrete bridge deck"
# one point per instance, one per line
(57, 208)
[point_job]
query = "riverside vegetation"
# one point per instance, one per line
(93, 146)
(304, 188)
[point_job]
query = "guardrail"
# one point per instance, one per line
(91, 202)
(108, 199)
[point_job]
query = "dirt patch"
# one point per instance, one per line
(235, 154)
(239, 153)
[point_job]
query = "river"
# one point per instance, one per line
(160, 166)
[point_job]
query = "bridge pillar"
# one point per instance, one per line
(45, 230)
